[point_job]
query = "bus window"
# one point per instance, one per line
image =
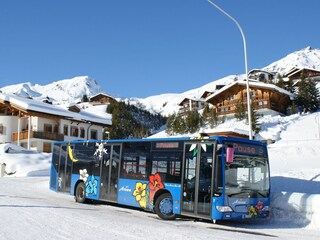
(135, 159)
(84, 154)
(168, 165)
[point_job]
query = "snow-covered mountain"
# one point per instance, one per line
(63, 91)
(305, 58)
(72, 90)
(168, 103)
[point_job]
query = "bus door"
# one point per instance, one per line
(197, 179)
(64, 170)
(110, 172)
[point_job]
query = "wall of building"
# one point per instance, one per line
(87, 130)
(10, 125)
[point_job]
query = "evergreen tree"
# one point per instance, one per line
(254, 118)
(289, 86)
(308, 95)
(240, 112)
(314, 99)
(209, 116)
(84, 98)
(280, 83)
(192, 121)
(293, 108)
(125, 124)
(170, 124)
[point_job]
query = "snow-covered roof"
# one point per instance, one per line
(252, 84)
(262, 71)
(40, 107)
(102, 94)
(295, 70)
(192, 99)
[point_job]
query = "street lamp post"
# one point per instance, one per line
(245, 61)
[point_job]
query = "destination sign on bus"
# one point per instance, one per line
(167, 145)
(247, 149)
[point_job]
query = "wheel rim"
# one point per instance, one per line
(80, 193)
(165, 206)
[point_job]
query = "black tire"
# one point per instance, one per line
(80, 195)
(164, 207)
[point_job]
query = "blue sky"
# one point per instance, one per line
(148, 47)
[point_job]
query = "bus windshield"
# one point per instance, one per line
(247, 177)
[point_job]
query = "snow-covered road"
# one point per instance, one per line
(29, 210)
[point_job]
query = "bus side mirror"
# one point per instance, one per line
(230, 154)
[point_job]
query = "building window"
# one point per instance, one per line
(94, 134)
(231, 97)
(47, 128)
(66, 130)
(82, 133)
(56, 129)
(74, 131)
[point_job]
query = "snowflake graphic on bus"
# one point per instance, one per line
(144, 193)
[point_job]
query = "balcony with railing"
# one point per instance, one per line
(230, 106)
(40, 135)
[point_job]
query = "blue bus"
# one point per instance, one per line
(216, 178)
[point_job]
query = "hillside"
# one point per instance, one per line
(72, 90)
(60, 92)
(167, 103)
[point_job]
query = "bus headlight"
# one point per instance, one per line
(224, 208)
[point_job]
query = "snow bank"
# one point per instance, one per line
(23, 162)
(300, 208)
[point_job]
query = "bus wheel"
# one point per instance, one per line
(164, 207)
(80, 195)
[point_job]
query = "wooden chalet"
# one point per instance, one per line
(101, 99)
(296, 74)
(267, 98)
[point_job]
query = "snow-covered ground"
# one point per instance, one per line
(295, 172)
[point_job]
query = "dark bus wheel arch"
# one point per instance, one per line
(162, 206)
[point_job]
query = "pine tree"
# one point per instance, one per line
(170, 124)
(293, 108)
(254, 118)
(289, 86)
(209, 116)
(84, 98)
(192, 121)
(213, 118)
(313, 98)
(240, 112)
(308, 95)
(280, 83)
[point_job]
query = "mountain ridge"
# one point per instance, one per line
(72, 90)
